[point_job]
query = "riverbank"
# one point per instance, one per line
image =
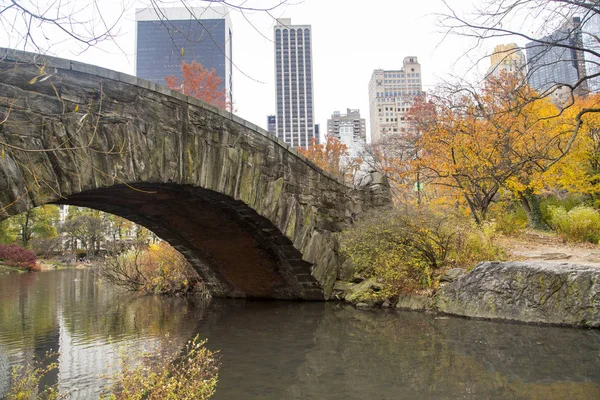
(547, 281)
(5, 270)
(533, 292)
(44, 265)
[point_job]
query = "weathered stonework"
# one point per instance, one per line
(540, 292)
(254, 217)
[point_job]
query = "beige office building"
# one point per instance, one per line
(507, 58)
(391, 95)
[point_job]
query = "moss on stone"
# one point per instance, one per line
(291, 225)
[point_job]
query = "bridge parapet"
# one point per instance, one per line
(253, 216)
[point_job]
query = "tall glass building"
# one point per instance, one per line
(294, 83)
(165, 37)
(590, 33)
(554, 61)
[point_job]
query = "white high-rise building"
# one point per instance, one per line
(294, 84)
(350, 129)
(391, 95)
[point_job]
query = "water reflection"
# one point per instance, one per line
(92, 325)
(286, 350)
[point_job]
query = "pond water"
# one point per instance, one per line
(289, 350)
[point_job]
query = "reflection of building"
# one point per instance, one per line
(294, 87)
(391, 95)
(189, 34)
(271, 124)
(558, 62)
(350, 129)
(507, 58)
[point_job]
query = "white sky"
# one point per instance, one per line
(350, 39)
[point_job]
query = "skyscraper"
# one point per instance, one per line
(294, 84)
(507, 58)
(391, 95)
(271, 124)
(590, 32)
(350, 129)
(557, 61)
(189, 34)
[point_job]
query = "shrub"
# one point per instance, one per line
(408, 249)
(553, 201)
(474, 244)
(16, 256)
(581, 223)
(157, 268)
(26, 381)
(509, 216)
(192, 376)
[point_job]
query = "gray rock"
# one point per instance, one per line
(453, 274)
(341, 288)
(539, 292)
(363, 305)
(347, 270)
(363, 292)
(413, 302)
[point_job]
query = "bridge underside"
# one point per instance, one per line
(237, 252)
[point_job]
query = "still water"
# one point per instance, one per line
(288, 350)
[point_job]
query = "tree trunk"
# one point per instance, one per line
(531, 204)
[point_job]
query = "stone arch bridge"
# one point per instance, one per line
(254, 218)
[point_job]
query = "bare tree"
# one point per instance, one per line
(38, 25)
(550, 32)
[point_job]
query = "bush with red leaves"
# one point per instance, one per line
(16, 256)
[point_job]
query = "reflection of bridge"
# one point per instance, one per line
(252, 216)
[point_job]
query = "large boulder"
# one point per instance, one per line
(539, 292)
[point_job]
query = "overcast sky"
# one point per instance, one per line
(350, 39)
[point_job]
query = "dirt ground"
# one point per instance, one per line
(541, 246)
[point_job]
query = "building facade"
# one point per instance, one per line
(508, 59)
(181, 34)
(295, 123)
(391, 95)
(272, 124)
(349, 129)
(557, 62)
(590, 29)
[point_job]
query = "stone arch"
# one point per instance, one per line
(83, 135)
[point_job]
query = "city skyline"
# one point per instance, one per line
(355, 53)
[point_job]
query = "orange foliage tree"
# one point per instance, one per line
(501, 136)
(395, 155)
(201, 83)
(331, 156)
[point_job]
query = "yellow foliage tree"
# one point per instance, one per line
(482, 140)
(580, 171)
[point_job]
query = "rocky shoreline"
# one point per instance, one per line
(555, 293)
